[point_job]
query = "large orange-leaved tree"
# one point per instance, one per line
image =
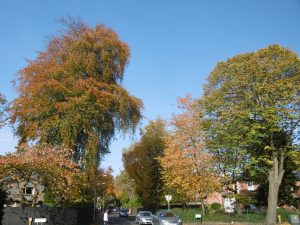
(188, 168)
(71, 93)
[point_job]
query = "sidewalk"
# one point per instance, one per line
(99, 219)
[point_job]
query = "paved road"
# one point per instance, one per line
(114, 219)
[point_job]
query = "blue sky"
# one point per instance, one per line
(174, 44)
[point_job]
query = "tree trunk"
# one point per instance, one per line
(202, 207)
(275, 178)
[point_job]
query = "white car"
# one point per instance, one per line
(144, 217)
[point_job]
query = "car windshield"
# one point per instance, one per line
(146, 214)
(167, 214)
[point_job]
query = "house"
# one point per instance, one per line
(29, 192)
(221, 197)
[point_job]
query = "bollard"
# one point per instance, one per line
(30, 220)
(279, 219)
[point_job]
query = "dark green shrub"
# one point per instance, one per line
(215, 206)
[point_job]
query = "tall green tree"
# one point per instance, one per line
(141, 164)
(125, 189)
(71, 93)
(255, 98)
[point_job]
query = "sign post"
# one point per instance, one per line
(40, 220)
(168, 198)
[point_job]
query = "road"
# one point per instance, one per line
(114, 219)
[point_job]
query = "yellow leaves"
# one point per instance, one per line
(187, 167)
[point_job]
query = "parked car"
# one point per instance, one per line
(166, 217)
(123, 212)
(144, 217)
(116, 209)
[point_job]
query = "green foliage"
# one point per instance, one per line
(215, 206)
(134, 203)
(188, 216)
(257, 171)
(140, 162)
(125, 189)
(251, 97)
(252, 105)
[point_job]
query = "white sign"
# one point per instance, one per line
(40, 220)
(197, 216)
(229, 205)
(168, 197)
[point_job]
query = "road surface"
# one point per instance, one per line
(114, 219)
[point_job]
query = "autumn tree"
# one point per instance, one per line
(46, 166)
(187, 166)
(254, 98)
(141, 164)
(71, 93)
(109, 185)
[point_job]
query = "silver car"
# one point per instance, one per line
(144, 217)
(166, 218)
(124, 212)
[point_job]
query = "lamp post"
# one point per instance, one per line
(95, 198)
(168, 198)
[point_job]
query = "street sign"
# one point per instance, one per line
(40, 220)
(168, 198)
(197, 216)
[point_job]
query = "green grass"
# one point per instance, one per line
(188, 216)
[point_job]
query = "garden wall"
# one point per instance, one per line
(54, 216)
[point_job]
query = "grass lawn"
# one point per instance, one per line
(188, 216)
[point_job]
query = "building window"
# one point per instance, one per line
(251, 186)
(28, 190)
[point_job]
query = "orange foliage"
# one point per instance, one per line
(46, 166)
(187, 166)
(71, 93)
